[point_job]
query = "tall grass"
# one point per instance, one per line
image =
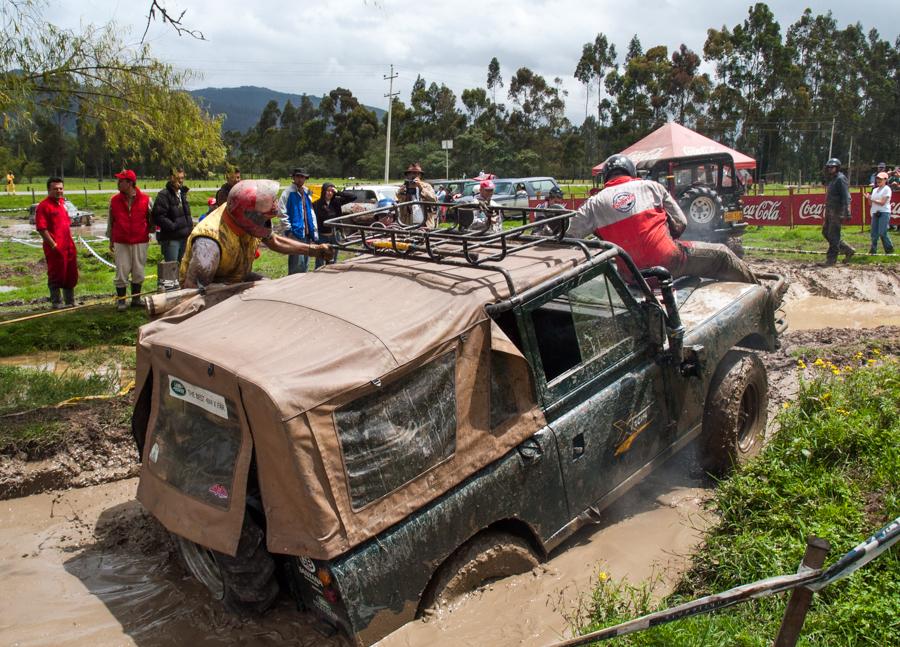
(27, 388)
(833, 470)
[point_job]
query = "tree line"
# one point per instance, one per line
(775, 94)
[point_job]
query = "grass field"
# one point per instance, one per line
(832, 470)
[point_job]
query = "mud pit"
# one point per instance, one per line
(113, 578)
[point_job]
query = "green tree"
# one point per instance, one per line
(596, 59)
(494, 79)
(93, 75)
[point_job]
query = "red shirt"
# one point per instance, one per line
(51, 215)
(130, 226)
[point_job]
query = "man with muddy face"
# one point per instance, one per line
(837, 209)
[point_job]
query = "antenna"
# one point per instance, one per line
(390, 97)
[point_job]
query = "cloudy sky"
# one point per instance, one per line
(314, 46)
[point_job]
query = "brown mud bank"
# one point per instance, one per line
(89, 443)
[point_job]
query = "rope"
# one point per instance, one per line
(73, 308)
(125, 390)
(96, 255)
(784, 250)
(813, 579)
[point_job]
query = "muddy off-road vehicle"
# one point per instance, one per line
(381, 435)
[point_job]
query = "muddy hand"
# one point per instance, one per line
(324, 251)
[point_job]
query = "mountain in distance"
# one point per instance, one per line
(242, 106)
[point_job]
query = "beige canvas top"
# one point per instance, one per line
(305, 339)
(295, 350)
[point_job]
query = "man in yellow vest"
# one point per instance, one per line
(223, 246)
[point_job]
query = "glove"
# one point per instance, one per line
(323, 251)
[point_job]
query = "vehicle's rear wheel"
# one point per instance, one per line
(734, 420)
(703, 208)
(245, 583)
(488, 556)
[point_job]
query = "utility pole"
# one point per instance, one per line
(387, 146)
(831, 141)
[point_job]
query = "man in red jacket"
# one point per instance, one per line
(128, 230)
(52, 222)
(643, 219)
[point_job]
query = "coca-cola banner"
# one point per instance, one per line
(767, 210)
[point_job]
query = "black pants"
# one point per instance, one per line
(831, 231)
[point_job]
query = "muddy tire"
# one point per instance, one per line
(245, 583)
(734, 420)
(488, 556)
(703, 208)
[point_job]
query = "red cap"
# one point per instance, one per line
(211, 201)
(127, 174)
(487, 184)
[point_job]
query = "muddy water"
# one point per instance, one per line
(51, 361)
(813, 312)
(21, 228)
(88, 566)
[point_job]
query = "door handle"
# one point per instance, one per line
(530, 451)
(577, 447)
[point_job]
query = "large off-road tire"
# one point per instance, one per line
(245, 583)
(734, 420)
(703, 208)
(489, 555)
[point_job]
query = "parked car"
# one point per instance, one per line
(448, 416)
(77, 217)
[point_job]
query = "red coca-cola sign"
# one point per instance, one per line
(766, 211)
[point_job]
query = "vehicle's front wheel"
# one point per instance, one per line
(489, 555)
(734, 420)
(703, 208)
(245, 583)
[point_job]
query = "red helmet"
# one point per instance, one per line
(251, 205)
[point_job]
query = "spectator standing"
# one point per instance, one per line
(10, 182)
(329, 206)
(172, 214)
(295, 206)
(641, 217)
(232, 177)
(221, 249)
(415, 189)
(52, 222)
(837, 209)
(882, 168)
(881, 214)
(128, 230)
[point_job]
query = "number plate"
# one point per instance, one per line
(734, 216)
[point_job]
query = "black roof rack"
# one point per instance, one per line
(379, 232)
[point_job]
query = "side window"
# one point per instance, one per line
(503, 188)
(393, 435)
(590, 324)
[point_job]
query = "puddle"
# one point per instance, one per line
(22, 229)
(90, 362)
(814, 312)
(127, 589)
(8, 288)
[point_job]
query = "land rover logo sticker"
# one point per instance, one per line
(154, 453)
(212, 402)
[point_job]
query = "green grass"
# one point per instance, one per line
(22, 389)
(809, 238)
(833, 470)
(72, 330)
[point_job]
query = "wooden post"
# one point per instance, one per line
(791, 205)
(798, 605)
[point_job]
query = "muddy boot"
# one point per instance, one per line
(69, 295)
(55, 298)
(120, 299)
(848, 254)
(135, 300)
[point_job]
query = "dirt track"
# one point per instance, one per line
(112, 574)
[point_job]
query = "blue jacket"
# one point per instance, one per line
(292, 205)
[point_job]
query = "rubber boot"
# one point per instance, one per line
(69, 295)
(55, 299)
(120, 298)
(135, 300)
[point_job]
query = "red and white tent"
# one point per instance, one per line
(674, 140)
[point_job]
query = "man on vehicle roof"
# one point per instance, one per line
(222, 248)
(641, 217)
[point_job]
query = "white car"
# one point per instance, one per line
(77, 217)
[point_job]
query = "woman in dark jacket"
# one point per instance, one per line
(172, 214)
(327, 207)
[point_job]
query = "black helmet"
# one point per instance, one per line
(618, 165)
(555, 192)
(833, 162)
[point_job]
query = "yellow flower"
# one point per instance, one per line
(826, 396)
(871, 361)
(818, 362)
(875, 351)
(836, 370)
(785, 405)
(801, 364)
(602, 576)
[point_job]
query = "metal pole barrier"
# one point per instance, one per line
(791, 205)
(801, 597)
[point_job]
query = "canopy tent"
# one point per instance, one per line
(674, 140)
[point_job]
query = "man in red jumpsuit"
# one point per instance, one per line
(52, 222)
(641, 217)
